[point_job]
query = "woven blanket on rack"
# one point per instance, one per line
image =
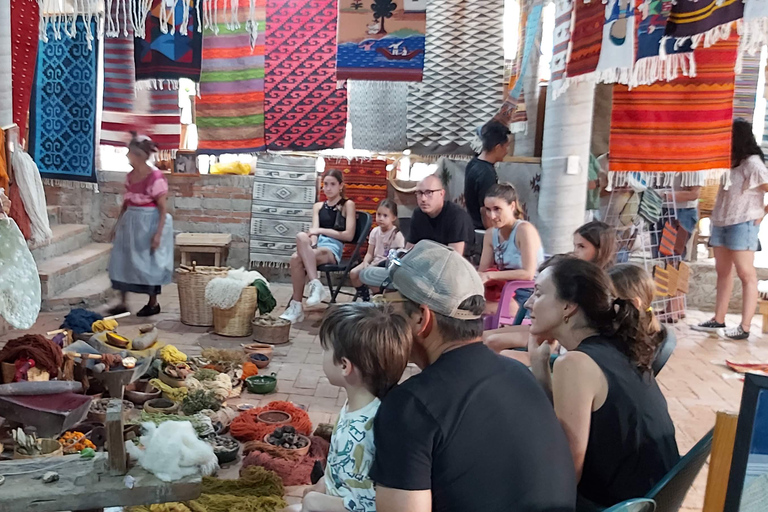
(230, 109)
(172, 54)
(62, 125)
(745, 97)
(303, 109)
(464, 40)
(683, 126)
(707, 20)
(24, 36)
(365, 183)
(381, 40)
(586, 38)
(378, 115)
(284, 190)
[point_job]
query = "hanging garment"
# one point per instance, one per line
(378, 115)
(20, 295)
(32, 194)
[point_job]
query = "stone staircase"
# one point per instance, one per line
(72, 268)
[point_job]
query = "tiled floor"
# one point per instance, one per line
(693, 380)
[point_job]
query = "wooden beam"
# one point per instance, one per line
(115, 443)
(720, 462)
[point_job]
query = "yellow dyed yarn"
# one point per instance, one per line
(172, 355)
(173, 394)
(104, 325)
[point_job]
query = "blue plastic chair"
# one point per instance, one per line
(635, 505)
(670, 492)
(664, 352)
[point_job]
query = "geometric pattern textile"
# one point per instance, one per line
(365, 183)
(586, 37)
(709, 20)
(562, 39)
(62, 129)
(284, 191)
(378, 115)
(746, 87)
(24, 37)
(682, 126)
(230, 109)
(463, 72)
(303, 108)
(165, 55)
(367, 50)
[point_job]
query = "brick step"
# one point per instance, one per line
(66, 238)
(54, 214)
(89, 294)
(63, 272)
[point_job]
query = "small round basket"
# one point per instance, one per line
(236, 321)
(273, 331)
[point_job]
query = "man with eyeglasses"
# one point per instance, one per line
(439, 220)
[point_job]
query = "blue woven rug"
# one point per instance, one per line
(62, 130)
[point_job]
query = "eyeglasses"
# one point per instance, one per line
(426, 193)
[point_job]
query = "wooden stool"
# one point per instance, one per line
(763, 304)
(208, 243)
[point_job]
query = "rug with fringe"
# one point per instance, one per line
(303, 108)
(62, 119)
(682, 126)
(703, 20)
(586, 38)
(284, 191)
(230, 109)
(24, 37)
(378, 115)
(463, 73)
(745, 98)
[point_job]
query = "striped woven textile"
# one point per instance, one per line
(230, 109)
(709, 20)
(680, 126)
(746, 87)
(586, 38)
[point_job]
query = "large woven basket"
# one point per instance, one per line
(707, 199)
(273, 334)
(236, 321)
(192, 282)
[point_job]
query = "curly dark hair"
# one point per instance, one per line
(588, 286)
(743, 143)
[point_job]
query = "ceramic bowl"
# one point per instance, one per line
(161, 405)
(274, 417)
(261, 384)
(260, 360)
(140, 391)
(298, 451)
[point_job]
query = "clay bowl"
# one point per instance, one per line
(171, 381)
(225, 448)
(258, 348)
(261, 384)
(161, 405)
(49, 448)
(140, 391)
(260, 360)
(275, 418)
(298, 451)
(101, 417)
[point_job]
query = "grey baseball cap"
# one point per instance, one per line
(433, 275)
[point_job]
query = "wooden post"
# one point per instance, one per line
(764, 313)
(720, 463)
(115, 444)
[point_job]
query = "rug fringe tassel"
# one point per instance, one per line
(614, 76)
(154, 84)
(53, 13)
(519, 127)
(663, 68)
(70, 184)
(566, 82)
(619, 179)
(709, 38)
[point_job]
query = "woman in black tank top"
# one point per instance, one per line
(613, 412)
(333, 224)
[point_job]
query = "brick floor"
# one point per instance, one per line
(695, 381)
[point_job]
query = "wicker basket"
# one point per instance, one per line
(192, 282)
(236, 321)
(707, 199)
(271, 334)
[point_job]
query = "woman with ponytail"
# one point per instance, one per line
(604, 393)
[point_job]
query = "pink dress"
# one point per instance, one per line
(145, 192)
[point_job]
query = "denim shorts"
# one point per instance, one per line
(737, 237)
(333, 245)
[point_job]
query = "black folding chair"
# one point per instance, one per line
(362, 228)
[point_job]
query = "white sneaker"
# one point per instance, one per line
(294, 313)
(317, 293)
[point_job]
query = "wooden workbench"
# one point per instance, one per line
(84, 484)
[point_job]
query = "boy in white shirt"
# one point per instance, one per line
(365, 351)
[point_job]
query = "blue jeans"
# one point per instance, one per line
(737, 237)
(521, 297)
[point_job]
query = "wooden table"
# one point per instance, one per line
(210, 243)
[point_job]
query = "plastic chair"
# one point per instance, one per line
(501, 317)
(670, 492)
(362, 227)
(635, 505)
(664, 352)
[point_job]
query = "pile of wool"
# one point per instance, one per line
(172, 451)
(171, 355)
(46, 354)
(293, 470)
(80, 320)
(224, 292)
(247, 428)
(221, 386)
(200, 422)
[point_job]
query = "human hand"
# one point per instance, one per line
(155, 242)
(484, 277)
(314, 231)
(540, 347)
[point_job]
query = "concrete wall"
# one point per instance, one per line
(199, 204)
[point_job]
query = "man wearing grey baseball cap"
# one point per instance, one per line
(473, 431)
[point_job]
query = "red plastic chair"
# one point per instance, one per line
(502, 317)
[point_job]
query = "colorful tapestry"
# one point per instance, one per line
(683, 126)
(62, 127)
(707, 20)
(617, 52)
(561, 41)
(377, 114)
(230, 109)
(365, 183)
(381, 40)
(586, 38)
(754, 29)
(745, 96)
(303, 108)
(463, 73)
(284, 191)
(169, 50)
(24, 31)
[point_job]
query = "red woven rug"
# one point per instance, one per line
(303, 108)
(586, 38)
(24, 35)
